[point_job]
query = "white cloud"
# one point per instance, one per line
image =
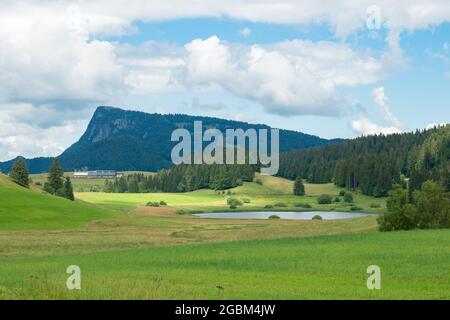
(245, 32)
(364, 126)
(42, 59)
(381, 99)
(21, 135)
(345, 17)
(435, 125)
(291, 77)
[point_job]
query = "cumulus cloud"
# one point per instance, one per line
(21, 135)
(43, 59)
(287, 78)
(345, 17)
(364, 126)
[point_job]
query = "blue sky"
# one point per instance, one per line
(294, 64)
(419, 91)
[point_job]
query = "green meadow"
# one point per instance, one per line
(273, 191)
(128, 250)
(327, 267)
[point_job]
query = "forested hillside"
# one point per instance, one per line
(431, 160)
(129, 140)
(373, 164)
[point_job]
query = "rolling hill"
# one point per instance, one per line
(131, 140)
(25, 209)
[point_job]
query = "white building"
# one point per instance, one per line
(97, 174)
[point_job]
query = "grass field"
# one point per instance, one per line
(127, 250)
(327, 267)
(273, 191)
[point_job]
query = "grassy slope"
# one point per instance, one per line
(414, 265)
(24, 209)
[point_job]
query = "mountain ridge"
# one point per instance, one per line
(133, 140)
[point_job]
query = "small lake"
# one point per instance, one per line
(326, 215)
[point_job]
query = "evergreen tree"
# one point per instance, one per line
(56, 176)
(133, 186)
(123, 187)
(19, 173)
(299, 187)
(68, 189)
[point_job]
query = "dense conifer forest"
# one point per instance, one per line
(373, 164)
(184, 178)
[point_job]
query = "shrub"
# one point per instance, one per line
(303, 205)
(233, 206)
(246, 200)
(280, 205)
(232, 201)
(337, 199)
(342, 193)
(324, 199)
(299, 187)
(348, 197)
(163, 203)
(430, 209)
(48, 188)
(37, 183)
(259, 181)
(95, 188)
(181, 212)
(268, 206)
(153, 204)
(356, 208)
(375, 205)
(317, 217)
(274, 217)
(60, 193)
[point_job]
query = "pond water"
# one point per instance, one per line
(326, 215)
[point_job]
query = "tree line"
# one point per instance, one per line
(183, 178)
(56, 183)
(373, 164)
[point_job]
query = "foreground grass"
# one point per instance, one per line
(414, 265)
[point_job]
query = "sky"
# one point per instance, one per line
(329, 68)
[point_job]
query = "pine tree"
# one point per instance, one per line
(123, 187)
(19, 173)
(56, 176)
(68, 189)
(299, 187)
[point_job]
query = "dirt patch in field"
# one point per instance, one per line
(153, 212)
